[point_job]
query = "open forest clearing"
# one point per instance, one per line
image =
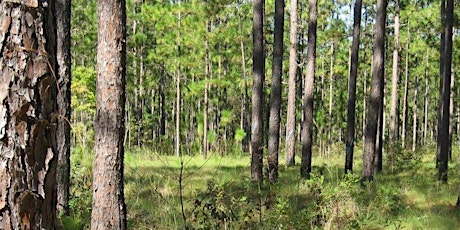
(218, 194)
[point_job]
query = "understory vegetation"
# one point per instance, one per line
(166, 192)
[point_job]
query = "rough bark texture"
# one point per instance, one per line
(62, 11)
(258, 58)
(351, 109)
(307, 129)
(28, 115)
(446, 53)
(291, 108)
(109, 211)
(376, 94)
(275, 97)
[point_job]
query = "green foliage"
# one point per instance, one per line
(240, 134)
(215, 208)
(81, 178)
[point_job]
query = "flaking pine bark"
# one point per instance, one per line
(28, 115)
(108, 208)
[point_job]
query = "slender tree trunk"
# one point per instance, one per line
(331, 95)
(275, 97)
(376, 93)
(162, 106)
(62, 12)
(307, 136)
(378, 163)
(426, 103)
(291, 108)
(206, 100)
(257, 130)
(178, 91)
(351, 110)
(378, 160)
(414, 116)
(406, 92)
(109, 211)
(451, 111)
(29, 115)
(364, 86)
(246, 118)
(446, 75)
(364, 103)
(394, 83)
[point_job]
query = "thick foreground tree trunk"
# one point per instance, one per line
(109, 211)
(257, 135)
(291, 108)
(275, 98)
(446, 56)
(376, 94)
(307, 129)
(28, 115)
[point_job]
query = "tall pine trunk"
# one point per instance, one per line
(28, 115)
(351, 105)
(406, 92)
(376, 94)
(394, 82)
(62, 12)
(109, 210)
(291, 108)
(307, 129)
(331, 99)
(275, 97)
(446, 55)
(257, 130)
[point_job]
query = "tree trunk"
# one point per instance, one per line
(245, 111)
(451, 111)
(446, 75)
(257, 130)
(275, 97)
(178, 91)
(62, 12)
(378, 162)
(351, 110)
(307, 129)
(394, 83)
(207, 75)
(406, 92)
(426, 102)
(28, 115)
(414, 115)
(291, 108)
(109, 211)
(162, 106)
(331, 99)
(376, 93)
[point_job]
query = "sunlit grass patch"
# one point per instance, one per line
(217, 192)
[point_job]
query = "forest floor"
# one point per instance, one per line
(166, 192)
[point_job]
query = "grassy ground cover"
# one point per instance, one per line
(166, 192)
